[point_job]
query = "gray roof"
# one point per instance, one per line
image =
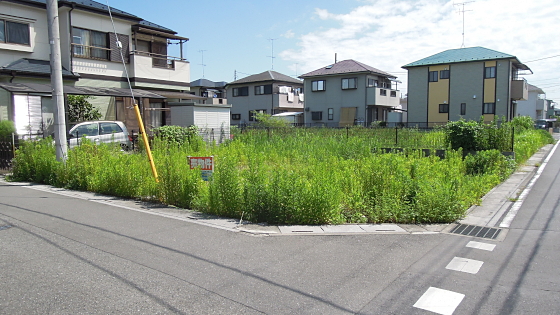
(464, 55)
(269, 75)
(77, 90)
(346, 66)
(207, 83)
(98, 7)
(34, 67)
(533, 88)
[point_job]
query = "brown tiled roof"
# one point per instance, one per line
(346, 66)
(269, 75)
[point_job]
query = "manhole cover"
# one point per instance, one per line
(476, 231)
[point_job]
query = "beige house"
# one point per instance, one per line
(92, 63)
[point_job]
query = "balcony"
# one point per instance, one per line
(151, 66)
(519, 90)
(379, 96)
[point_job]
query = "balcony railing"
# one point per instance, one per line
(159, 61)
(90, 52)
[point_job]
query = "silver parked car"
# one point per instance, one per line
(102, 131)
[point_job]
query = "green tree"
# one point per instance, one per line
(80, 109)
(7, 127)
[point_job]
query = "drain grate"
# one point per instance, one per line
(476, 231)
(5, 227)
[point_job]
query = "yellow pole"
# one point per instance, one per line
(145, 138)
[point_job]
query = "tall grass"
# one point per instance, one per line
(290, 175)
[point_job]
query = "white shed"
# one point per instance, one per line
(212, 120)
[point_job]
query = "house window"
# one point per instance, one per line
(383, 92)
(263, 89)
(14, 32)
(318, 85)
(489, 72)
(330, 113)
(349, 83)
(235, 116)
(316, 115)
(433, 76)
(489, 108)
(242, 91)
(444, 74)
(372, 82)
(444, 108)
(393, 93)
(89, 44)
(463, 108)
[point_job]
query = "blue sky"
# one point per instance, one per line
(387, 34)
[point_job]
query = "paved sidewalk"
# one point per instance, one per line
(489, 213)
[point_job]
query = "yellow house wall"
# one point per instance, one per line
(489, 90)
(438, 93)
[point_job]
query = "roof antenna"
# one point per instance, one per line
(463, 11)
(202, 64)
(272, 57)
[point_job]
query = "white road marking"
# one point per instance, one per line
(483, 246)
(439, 301)
(517, 204)
(465, 265)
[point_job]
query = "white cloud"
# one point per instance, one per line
(288, 34)
(388, 34)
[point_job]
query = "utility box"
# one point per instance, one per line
(212, 120)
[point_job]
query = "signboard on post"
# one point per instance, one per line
(205, 163)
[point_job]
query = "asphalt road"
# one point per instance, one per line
(62, 255)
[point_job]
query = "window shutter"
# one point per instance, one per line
(115, 52)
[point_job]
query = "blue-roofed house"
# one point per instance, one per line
(465, 82)
(91, 61)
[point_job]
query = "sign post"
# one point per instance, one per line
(205, 163)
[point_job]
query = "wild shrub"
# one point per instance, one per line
(489, 162)
(7, 127)
(179, 136)
(464, 134)
(35, 161)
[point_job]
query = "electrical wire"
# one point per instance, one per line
(119, 45)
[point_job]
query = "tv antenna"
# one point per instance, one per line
(462, 10)
(272, 57)
(202, 64)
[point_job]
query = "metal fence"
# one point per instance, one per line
(8, 146)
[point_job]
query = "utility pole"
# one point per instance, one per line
(56, 81)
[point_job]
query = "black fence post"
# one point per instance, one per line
(347, 132)
(512, 138)
(396, 136)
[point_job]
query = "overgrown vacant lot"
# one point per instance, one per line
(299, 176)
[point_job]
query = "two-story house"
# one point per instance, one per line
(269, 92)
(536, 105)
(348, 93)
(465, 82)
(91, 60)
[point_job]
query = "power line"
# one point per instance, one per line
(543, 58)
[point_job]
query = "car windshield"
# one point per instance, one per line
(87, 130)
